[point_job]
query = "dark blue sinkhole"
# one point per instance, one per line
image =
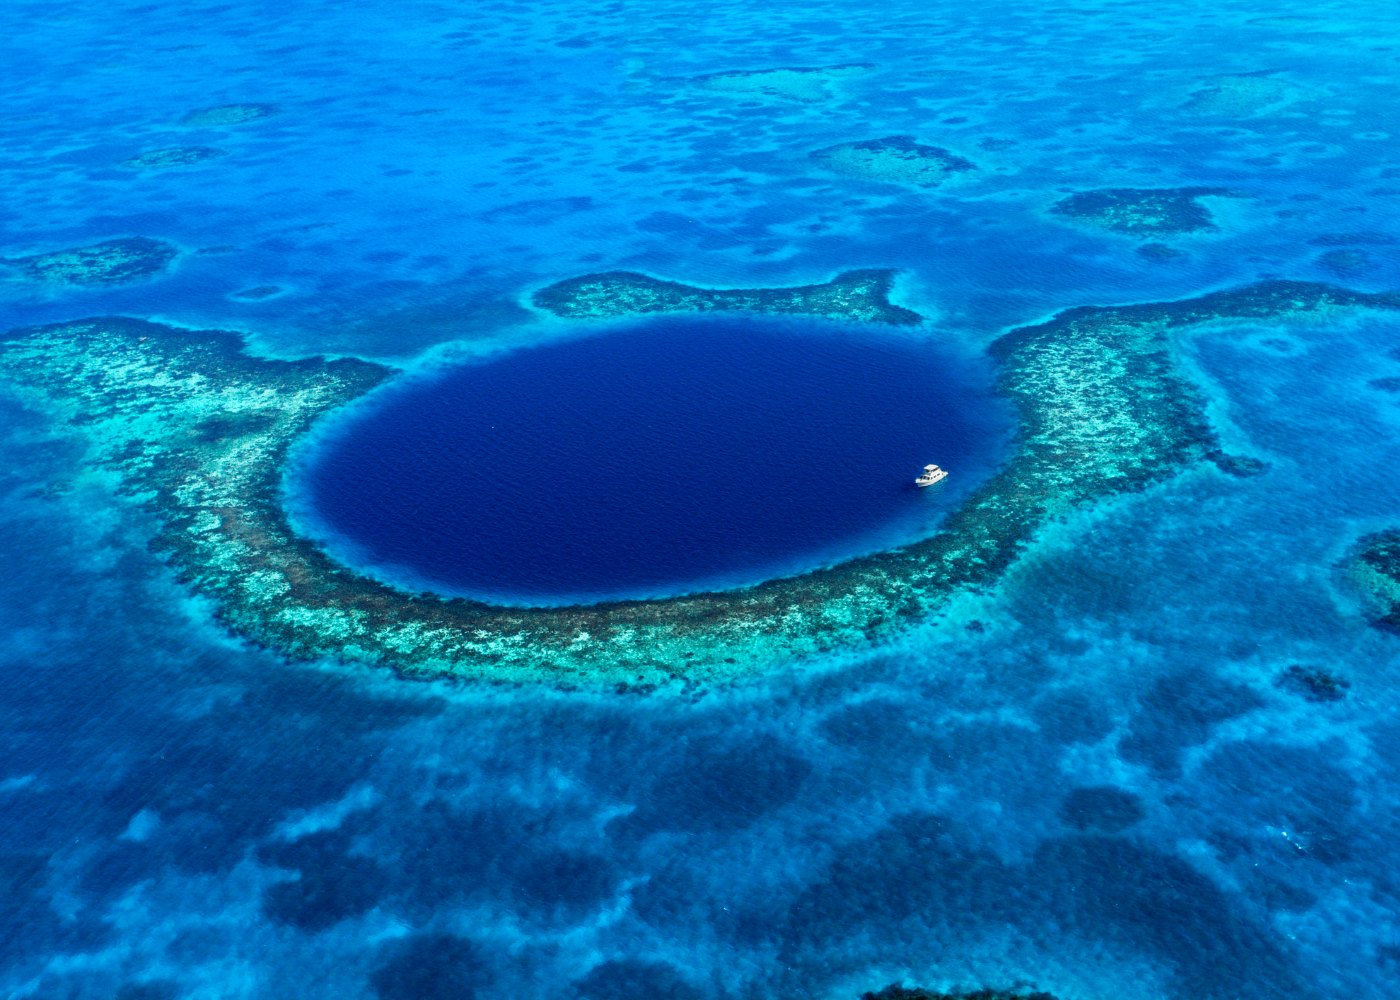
(661, 457)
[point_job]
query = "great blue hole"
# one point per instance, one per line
(660, 457)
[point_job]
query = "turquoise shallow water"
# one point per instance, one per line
(1089, 780)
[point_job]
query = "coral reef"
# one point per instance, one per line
(1374, 567)
(1313, 683)
(172, 156)
(1240, 95)
(199, 431)
(257, 293)
(804, 84)
(896, 992)
(895, 159)
(110, 263)
(1142, 211)
(227, 114)
(1158, 252)
(1239, 466)
(858, 295)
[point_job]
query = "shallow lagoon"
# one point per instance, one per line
(660, 457)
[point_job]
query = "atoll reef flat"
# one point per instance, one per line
(1135, 212)
(854, 295)
(190, 420)
(471, 521)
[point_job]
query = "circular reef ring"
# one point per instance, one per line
(200, 431)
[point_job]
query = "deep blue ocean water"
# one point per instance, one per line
(1088, 779)
(663, 457)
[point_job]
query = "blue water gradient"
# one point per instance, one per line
(1088, 779)
(662, 457)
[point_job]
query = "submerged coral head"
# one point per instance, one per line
(109, 263)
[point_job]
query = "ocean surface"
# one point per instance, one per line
(1087, 780)
(664, 457)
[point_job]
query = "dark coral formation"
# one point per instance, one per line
(1239, 466)
(173, 156)
(896, 992)
(220, 115)
(858, 295)
(1313, 683)
(895, 159)
(1142, 211)
(1375, 568)
(257, 293)
(1158, 252)
(110, 263)
(199, 431)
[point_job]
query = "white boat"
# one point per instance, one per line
(931, 474)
